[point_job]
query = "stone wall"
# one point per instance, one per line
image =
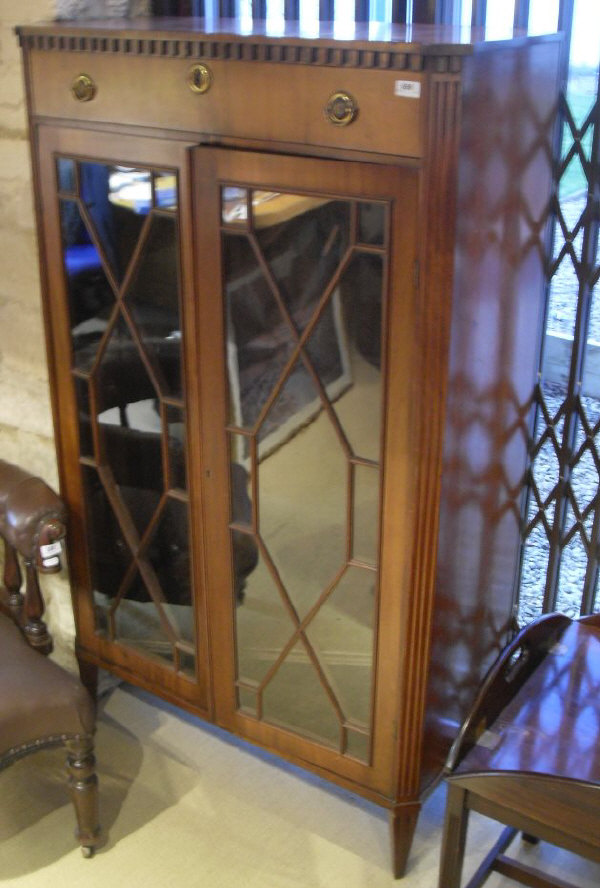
(26, 434)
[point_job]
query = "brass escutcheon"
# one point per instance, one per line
(341, 109)
(199, 78)
(83, 88)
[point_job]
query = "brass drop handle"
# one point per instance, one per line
(83, 88)
(199, 78)
(341, 109)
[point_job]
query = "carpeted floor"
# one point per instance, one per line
(185, 805)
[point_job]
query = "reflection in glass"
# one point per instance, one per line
(303, 307)
(168, 552)
(82, 395)
(108, 553)
(359, 410)
(262, 625)
(247, 700)
(296, 698)
(342, 633)
(371, 223)
(165, 190)
(358, 745)
(234, 203)
(186, 662)
(65, 173)
(91, 299)
(127, 360)
(153, 298)
(136, 625)
(365, 530)
(302, 240)
(256, 358)
(303, 499)
(177, 450)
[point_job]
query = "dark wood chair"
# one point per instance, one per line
(528, 755)
(41, 704)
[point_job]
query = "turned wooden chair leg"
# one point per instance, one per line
(12, 580)
(83, 786)
(88, 673)
(34, 627)
(402, 821)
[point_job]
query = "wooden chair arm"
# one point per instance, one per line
(32, 525)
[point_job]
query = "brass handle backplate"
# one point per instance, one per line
(83, 88)
(341, 109)
(199, 78)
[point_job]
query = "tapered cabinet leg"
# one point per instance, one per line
(83, 786)
(403, 821)
(454, 838)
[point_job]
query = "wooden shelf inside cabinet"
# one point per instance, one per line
(289, 342)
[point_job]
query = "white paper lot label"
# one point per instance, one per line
(410, 89)
(51, 549)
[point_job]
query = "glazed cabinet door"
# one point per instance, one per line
(115, 214)
(304, 315)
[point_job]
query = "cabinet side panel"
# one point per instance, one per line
(509, 104)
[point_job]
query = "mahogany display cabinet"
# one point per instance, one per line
(292, 289)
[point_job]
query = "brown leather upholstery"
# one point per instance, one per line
(41, 704)
(38, 699)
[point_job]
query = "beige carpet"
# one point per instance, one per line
(185, 805)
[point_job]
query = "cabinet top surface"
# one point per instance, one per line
(424, 39)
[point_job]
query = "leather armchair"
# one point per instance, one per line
(41, 704)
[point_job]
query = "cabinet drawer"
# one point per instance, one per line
(248, 100)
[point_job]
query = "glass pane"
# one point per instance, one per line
(116, 222)
(584, 58)
(359, 407)
(342, 635)
(296, 698)
(302, 240)
(130, 189)
(177, 449)
(82, 395)
(244, 546)
(129, 426)
(153, 298)
(259, 342)
(543, 16)
(235, 205)
(499, 19)
(371, 223)
(109, 555)
(137, 625)
(66, 175)
(358, 745)
(303, 497)
(91, 299)
(263, 625)
(365, 529)
(303, 362)
(165, 190)
(187, 663)
(169, 554)
(247, 700)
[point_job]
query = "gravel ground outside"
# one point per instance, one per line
(585, 473)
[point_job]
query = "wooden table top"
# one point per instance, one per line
(552, 725)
